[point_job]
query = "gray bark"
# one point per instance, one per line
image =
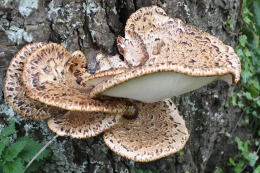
(88, 25)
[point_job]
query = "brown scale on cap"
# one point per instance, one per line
(145, 19)
(15, 92)
(48, 79)
(168, 39)
(158, 131)
(82, 124)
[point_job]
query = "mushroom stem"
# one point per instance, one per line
(36, 155)
(131, 111)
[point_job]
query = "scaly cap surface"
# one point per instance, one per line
(14, 89)
(170, 40)
(48, 79)
(158, 131)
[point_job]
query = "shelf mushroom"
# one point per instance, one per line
(48, 78)
(156, 132)
(15, 92)
(178, 58)
(70, 123)
(163, 58)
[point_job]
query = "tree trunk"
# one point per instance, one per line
(87, 25)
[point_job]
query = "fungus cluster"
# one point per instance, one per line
(126, 99)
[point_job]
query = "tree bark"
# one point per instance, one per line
(88, 25)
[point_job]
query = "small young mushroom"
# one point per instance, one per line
(139, 26)
(78, 63)
(178, 58)
(133, 49)
(108, 66)
(106, 62)
(48, 79)
(156, 132)
(15, 92)
(82, 124)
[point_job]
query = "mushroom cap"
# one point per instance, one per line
(158, 131)
(48, 79)
(194, 58)
(133, 49)
(169, 39)
(82, 124)
(152, 83)
(15, 91)
(78, 63)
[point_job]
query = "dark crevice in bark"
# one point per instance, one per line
(87, 32)
(54, 37)
(79, 39)
(107, 18)
(79, 159)
(135, 4)
(111, 159)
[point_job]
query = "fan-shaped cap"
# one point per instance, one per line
(157, 132)
(194, 57)
(48, 79)
(82, 124)
(167, 39)
(15, 91)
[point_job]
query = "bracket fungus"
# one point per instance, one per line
(48, 79)
(157, 132)
(163, 57)
(15, 92)
(178, 58)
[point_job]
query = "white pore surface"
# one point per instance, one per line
(158, 86)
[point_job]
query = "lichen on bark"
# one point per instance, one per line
(88, 25)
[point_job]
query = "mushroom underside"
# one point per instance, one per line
(158, 86)
(167, 58)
